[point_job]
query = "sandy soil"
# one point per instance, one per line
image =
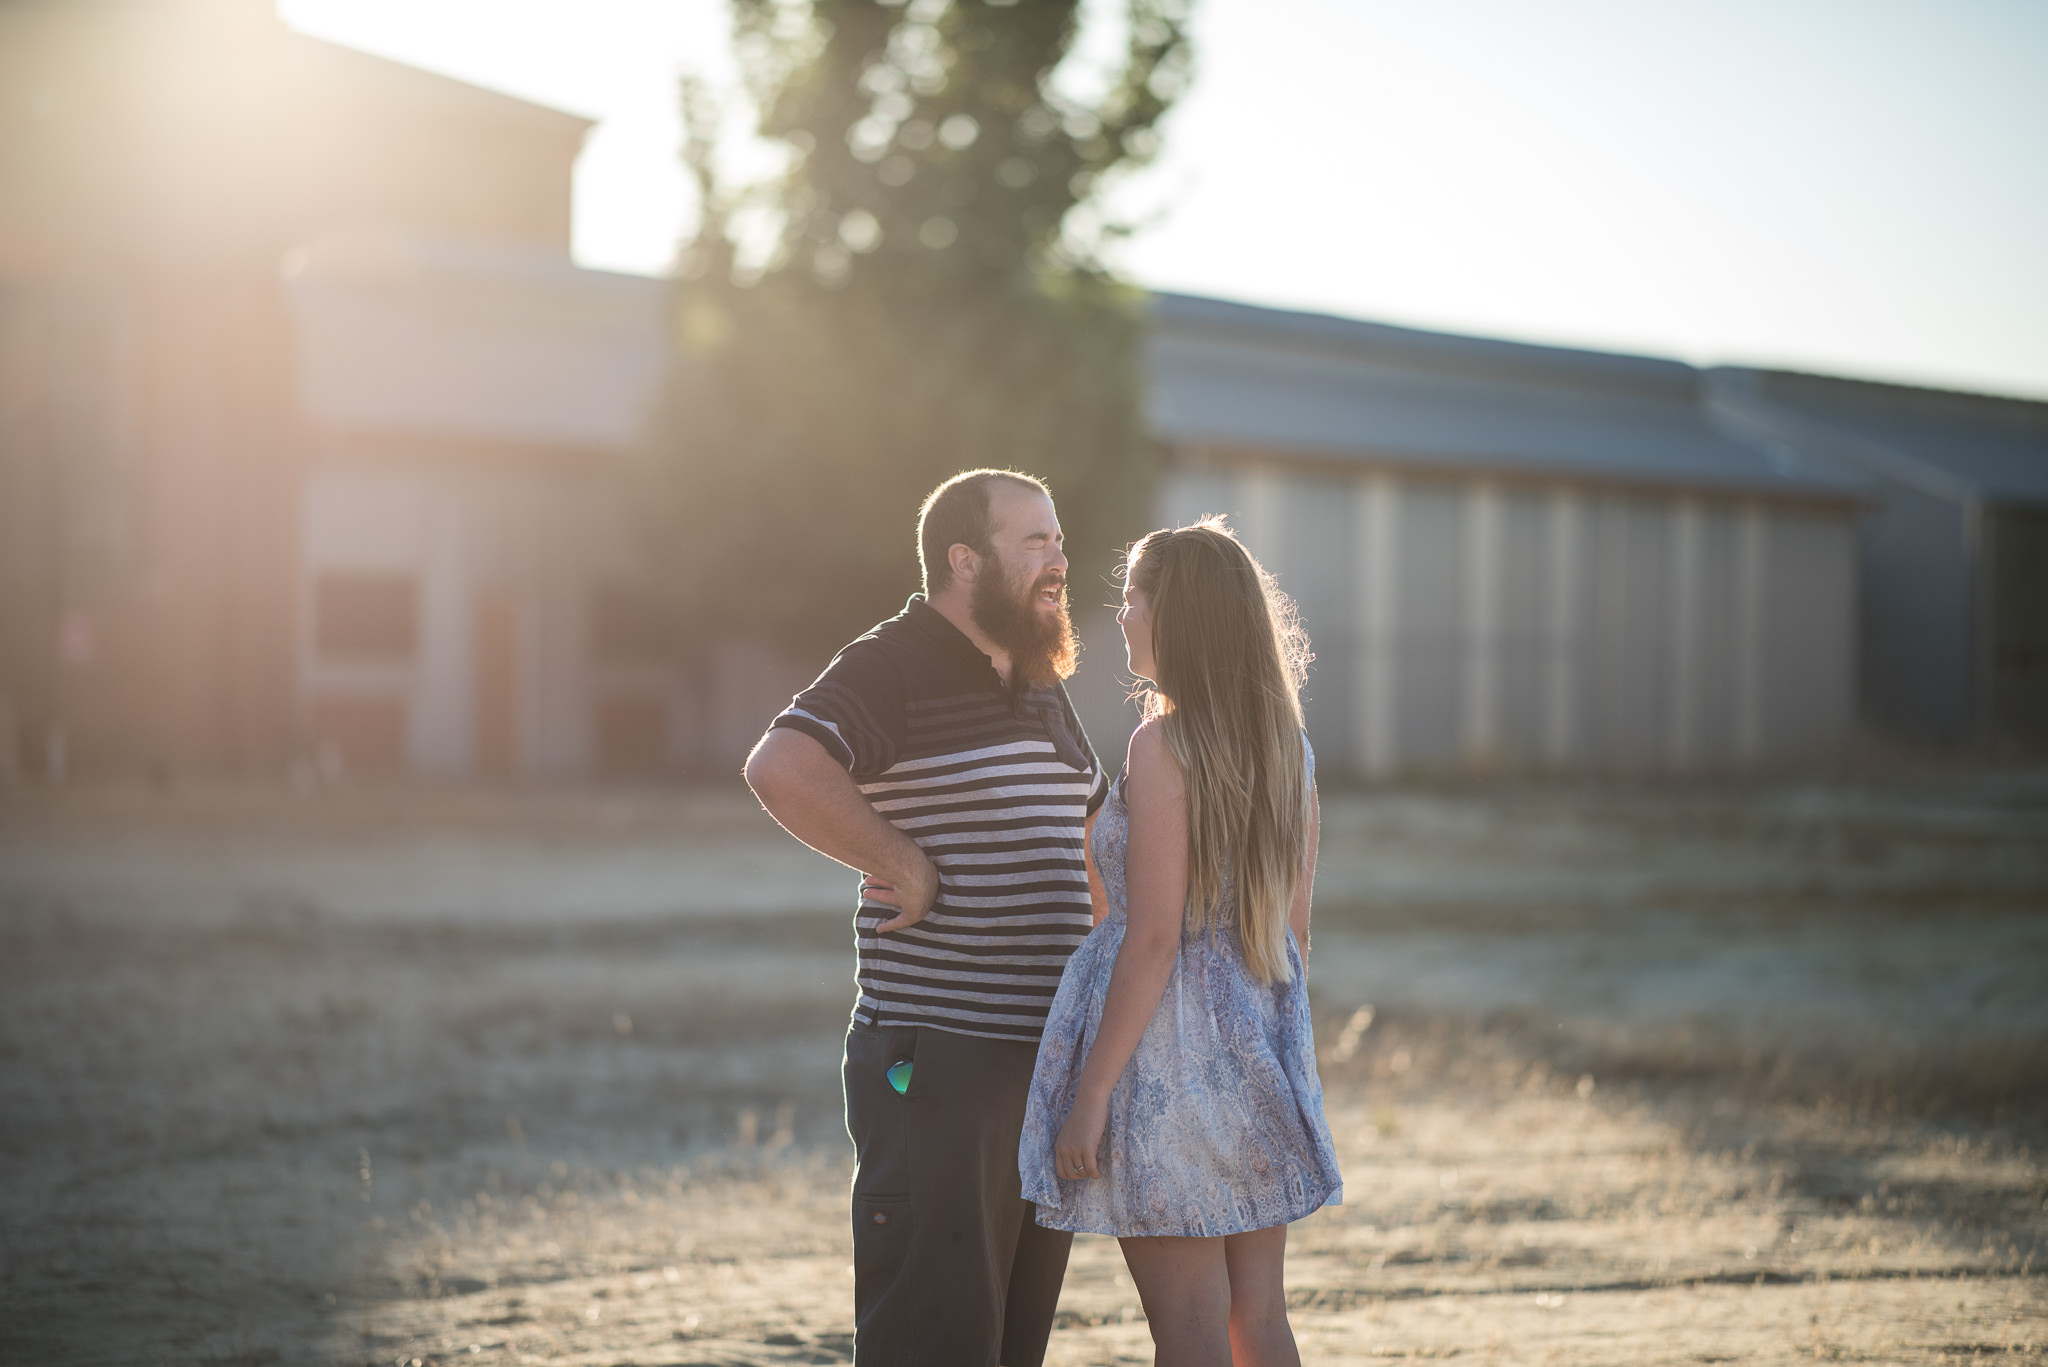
(1625, 1075)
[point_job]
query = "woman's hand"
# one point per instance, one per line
(1074, 1149)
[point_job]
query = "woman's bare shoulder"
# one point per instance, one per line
(1152, 771)
(1148, 742)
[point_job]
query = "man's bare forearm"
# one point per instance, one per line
(816, 801)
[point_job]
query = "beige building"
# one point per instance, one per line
(469, 602)
(248, 518)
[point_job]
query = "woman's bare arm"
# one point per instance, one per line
(1156, 870)
(1297, 915)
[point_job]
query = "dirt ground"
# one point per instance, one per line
(1749, 1072)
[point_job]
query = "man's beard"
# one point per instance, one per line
(1042, 651)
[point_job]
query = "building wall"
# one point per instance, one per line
(474, 614)
(147, 466)
(1805, 668)
(67, 515)
(1948, 554)
(1479, 624)
(156, 163)
(477, 613)
(2015, 661)
(1916, 670)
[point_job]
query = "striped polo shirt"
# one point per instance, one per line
(997, 787)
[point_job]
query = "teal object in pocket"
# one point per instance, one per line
(899, 1075)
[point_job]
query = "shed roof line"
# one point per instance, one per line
(1507, 472)
(1954, 445)
(1479, 355)
(1732, 397)
(1247, 376)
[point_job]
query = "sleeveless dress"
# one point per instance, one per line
(1216, 1126)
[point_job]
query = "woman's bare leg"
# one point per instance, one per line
(1185, 1287)
(1259, 1334)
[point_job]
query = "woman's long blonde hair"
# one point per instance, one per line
(1230, 658)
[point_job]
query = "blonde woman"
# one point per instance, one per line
(1175, 1103)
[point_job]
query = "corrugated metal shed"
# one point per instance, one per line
(1512, 555)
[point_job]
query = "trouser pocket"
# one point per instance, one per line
(881, 1240)
(877, 1116)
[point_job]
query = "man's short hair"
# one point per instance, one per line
(956, 514)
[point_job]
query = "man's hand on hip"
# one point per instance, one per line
(817, 801)
(912, 899)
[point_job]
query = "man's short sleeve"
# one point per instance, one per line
(854, 709)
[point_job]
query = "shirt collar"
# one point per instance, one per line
(934, 626)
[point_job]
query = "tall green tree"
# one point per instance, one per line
(931, 300)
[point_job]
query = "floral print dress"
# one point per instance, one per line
(1216, 1126)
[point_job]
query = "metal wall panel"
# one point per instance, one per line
(1376, 537)
(1525, 636)
(1566, 631)
(1314, 561)
(1627, 650)
(1429, 639)
(1463, 623)
(1808, 619)
(2016, 625)
(1713, 729)
(1916, 615)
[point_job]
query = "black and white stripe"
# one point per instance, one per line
(1004, 823)
(996, 785)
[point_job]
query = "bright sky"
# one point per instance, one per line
(1852, 186)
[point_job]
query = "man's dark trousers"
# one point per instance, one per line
(949, 1267)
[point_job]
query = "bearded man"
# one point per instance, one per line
(939, 755)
